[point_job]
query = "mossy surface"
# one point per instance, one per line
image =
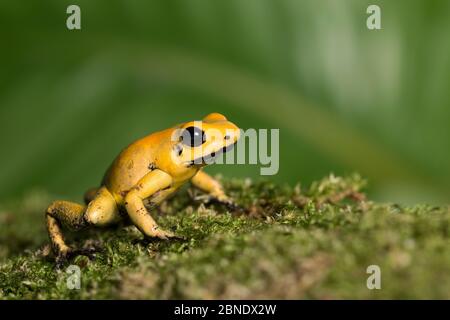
(312, 243)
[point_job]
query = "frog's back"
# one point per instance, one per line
(134, 162)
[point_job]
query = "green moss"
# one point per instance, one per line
(288, 243)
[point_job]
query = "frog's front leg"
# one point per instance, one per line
(213, 188)
(153, 182)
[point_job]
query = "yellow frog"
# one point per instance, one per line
(143, 175)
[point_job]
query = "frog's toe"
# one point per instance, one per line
(232, 206)
(227, 202)
(62, 259)
(166, 235)
(90, 252)
(60, 262)
(163, 234)
(176, 237)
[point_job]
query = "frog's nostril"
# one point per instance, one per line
(227, 137)
(178, 149)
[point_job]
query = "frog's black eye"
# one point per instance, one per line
(193, 137)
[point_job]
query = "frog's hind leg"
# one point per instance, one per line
(90, 195)
(63, 213)
(101, 211)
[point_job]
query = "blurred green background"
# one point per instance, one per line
(345, 98)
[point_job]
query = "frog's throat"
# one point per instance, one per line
(205, 160)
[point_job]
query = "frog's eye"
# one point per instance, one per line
(193, 137)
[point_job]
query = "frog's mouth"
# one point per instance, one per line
(209, 158)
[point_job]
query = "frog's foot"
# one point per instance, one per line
(89, 251)
(160, 233)
(230, 205)
(208, 199)
(64, 256)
